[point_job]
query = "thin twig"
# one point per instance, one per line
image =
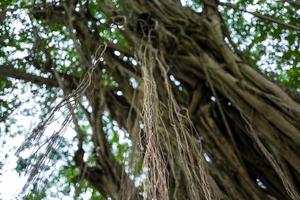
(264, 17)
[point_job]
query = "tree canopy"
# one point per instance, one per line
(150, 99)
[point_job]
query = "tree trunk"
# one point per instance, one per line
(249, 131)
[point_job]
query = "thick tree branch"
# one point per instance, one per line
(7, 71)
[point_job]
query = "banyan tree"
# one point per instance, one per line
(169, 99)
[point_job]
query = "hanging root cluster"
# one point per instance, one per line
(250, 125)
(43, 146)
(172, 155)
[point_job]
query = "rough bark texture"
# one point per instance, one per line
(250, 130)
